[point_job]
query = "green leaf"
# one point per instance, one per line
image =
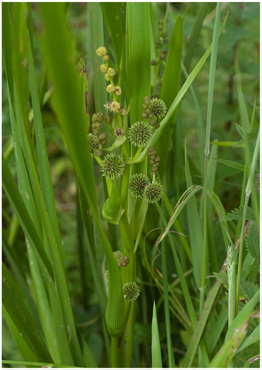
(252, 338)
(111, 210)
(237, 214)
(157, 134)
(200, 325)
(57, 47)
(156, 348)
(195, 229)
(14, 304)
(23, 216)
(169, 89)
(231, 164)
(115, 23)
(229, 348)
(252, 241)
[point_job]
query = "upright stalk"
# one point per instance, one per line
(207, 144)
(247, 195)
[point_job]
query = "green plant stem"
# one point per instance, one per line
(247, 195)
(207, 145)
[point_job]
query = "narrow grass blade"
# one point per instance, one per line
(229, 348)
(115, 23)
(171, 360)
(187, 297)
(14, 305)
(169, 89)
(202, 8)
(44, 170)
(252, 338)
(23, 216)
(231, 164)
(194, 225)
(185, 197)
(201, 324)
(97, 40)
(156, 348)
(178, 98)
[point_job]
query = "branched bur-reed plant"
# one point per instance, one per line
(119, 112)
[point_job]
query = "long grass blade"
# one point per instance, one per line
(156, 348)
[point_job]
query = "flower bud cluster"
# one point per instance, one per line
(159, 43)
(154, 161)
(121, 260)
(113, 105)
(153, 109)
(98, 138)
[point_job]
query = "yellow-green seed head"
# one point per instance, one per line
(154, 192)
(103, 68)
(131, 291)
(118, 90)
(114, 106)
(107, 77)
(111, 72)
(140, 133)
(105, 58)
(137, 185)
(118, 255)
(101, 51)
(110, 88)
(113, 166)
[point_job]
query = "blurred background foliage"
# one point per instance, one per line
(240, 40)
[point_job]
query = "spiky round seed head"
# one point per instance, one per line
(147, 99)
(105, 58)
(103, 68)
(94, 117)
(110, 88)
(162, 56)
(144, 115)
(111, 72)
(140, 133)
(118, 90)
(153, 62)
(131, 291)
(118, 255)
(137, 185)
(122, 111)
(107, 77)
(101, 51)
(113, 166)
(154, 192)
(158, 107)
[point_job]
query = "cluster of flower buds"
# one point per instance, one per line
(122, 261)
(115, 107)
(112, 105)
(153, 109)
(98, 138)
(159, 43)
(154, 161)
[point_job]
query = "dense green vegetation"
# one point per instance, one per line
(131, 182)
